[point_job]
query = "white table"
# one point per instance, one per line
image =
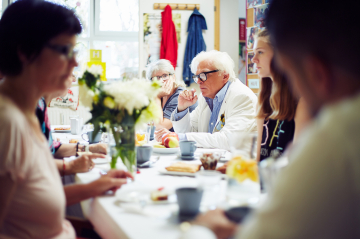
(113, 219)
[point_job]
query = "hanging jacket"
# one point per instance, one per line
(169, 44)
(195, 43)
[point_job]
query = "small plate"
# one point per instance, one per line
(62, 131)
(187, 157)
(173, 173)
(164, 171)
(101, 160)
(165, 150)
(138, 196)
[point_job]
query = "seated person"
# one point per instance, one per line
(226, 106)
(168, 96)
(281, 115)
(317, 194)
(32, 198)
(58, 150)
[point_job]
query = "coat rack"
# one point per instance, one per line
(176, 6)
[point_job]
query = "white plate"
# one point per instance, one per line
(101, 160)
(165, 150)
(164, 171)
(138, 196)
(173, 173)
(62, 131)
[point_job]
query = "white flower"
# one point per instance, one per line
(96, 70)
(130, 95)
(86, 96)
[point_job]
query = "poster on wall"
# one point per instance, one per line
(259, 15)
(251, 67)
(152, 35)
(253, 3)
(251, 33)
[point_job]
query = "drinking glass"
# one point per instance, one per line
(209, 181)
(242, 169)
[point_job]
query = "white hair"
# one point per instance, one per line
(162, 65)
(220, 60)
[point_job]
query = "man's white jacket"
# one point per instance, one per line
(238, 109)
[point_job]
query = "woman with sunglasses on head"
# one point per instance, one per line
(36, 60)
(168, 96)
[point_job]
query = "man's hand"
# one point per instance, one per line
(98, 148)
(166, 89)
(82, 164)
(186, 99)
(217, 222)
(160, 133)
(113, 180)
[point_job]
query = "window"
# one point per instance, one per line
(111, 26)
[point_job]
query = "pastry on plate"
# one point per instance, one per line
(62, 128)
(73, 141)
(184, 167)
(159, 195)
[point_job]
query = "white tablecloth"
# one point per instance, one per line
(114, 219)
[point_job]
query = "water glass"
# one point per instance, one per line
(209, 181)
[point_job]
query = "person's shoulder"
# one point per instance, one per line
(9, 113)
(334, 134)
(238, 90)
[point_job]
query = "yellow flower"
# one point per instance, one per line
(96, 99)
(156, 84)
(109, 102)
(241, 169)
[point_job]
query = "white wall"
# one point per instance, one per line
(229, 29)
(206, 9)
(242, 8)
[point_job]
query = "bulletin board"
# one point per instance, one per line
(255, 16)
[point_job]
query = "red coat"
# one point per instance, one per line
(169, 44)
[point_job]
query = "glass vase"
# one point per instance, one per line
(124, 137)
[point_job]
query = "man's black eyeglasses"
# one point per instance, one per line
(66, 50)
(202, 76)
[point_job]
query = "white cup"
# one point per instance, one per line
(75, 125)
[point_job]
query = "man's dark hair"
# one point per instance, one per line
(327, 29)
(27, 26)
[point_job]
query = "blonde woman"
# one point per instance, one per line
(281, 114)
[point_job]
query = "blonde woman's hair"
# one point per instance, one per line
(275, 98)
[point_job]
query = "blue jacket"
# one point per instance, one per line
(195, 43)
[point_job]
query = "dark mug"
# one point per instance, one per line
(189, 200)
(89, 137)
(143, 154)
(187, 147)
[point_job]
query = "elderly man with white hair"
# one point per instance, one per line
(226, 106)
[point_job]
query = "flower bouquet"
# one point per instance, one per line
(120, 106)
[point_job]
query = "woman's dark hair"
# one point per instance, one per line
(316, 27)
(27, 26)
